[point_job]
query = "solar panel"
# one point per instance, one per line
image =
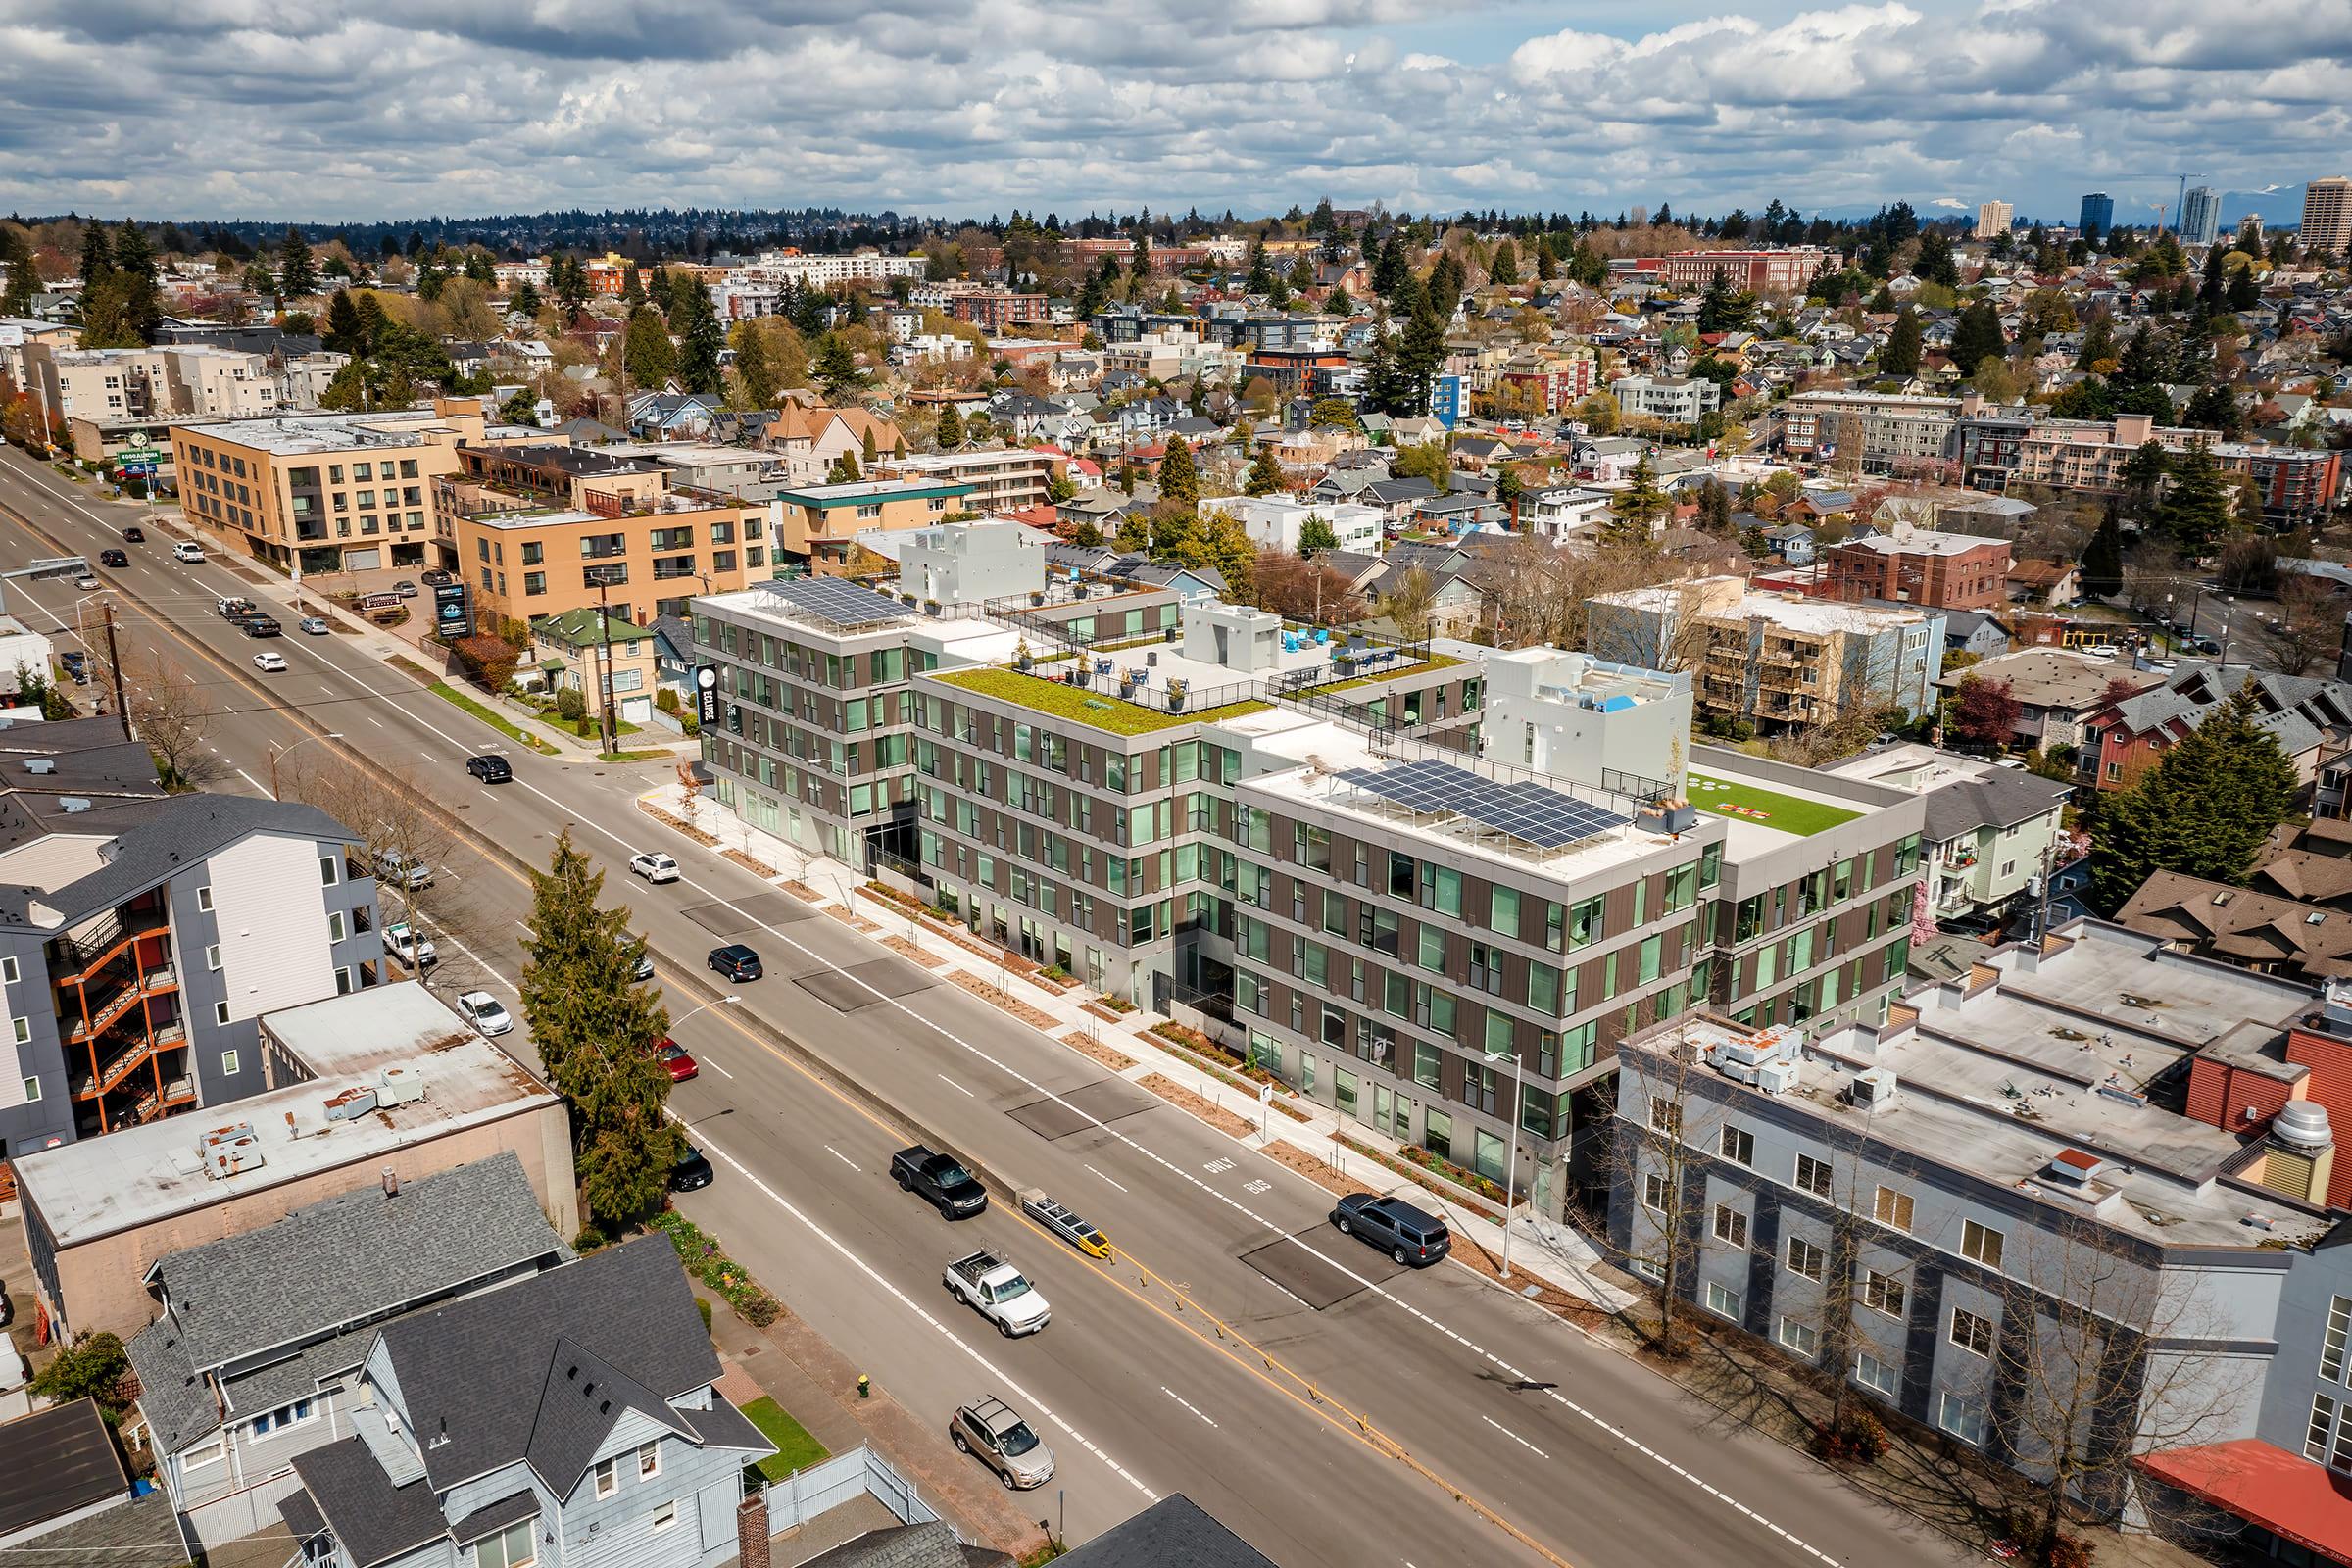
(1542, 816)
(843, 603)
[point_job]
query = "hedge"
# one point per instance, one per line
(706, 1263)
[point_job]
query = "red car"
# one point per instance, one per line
(674, 1056)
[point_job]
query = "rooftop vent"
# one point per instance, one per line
(1873, 1088)
(40, 764)
(398, 1085)
(351, 1105)
(2074, 1168)
(2303, 1124)
(229, 1150)
(70, 804)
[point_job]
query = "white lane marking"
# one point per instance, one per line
(1523, 1444)
(1121, 1186)
(717, 1068)
(1292, 1295)
(259, 788)
(1154, 1158)
(1181, 1400)
(845, 1159)
(936, 1326)
(953, 1084)
(372, 719)
(452, 875)
(495, 971)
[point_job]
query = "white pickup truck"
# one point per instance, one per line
(405, 945)
(996, 1290)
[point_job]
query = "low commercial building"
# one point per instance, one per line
(391, 1081)
(817, 525)
(1914, 566)
(1278, 523)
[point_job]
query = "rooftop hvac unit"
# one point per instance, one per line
(1873, 1088)
(229, 1150)
(351, 1105)
(400, 1084)
(1777, 1078)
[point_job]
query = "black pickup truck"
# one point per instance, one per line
(940, 1180)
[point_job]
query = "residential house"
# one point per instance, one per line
(252, 1357)
(1990, 830)
(2309, 717)
(604, 658)
(2047, 584)
(1791, 544)
(1975, 632)
(2057, 689)
(810, 438)
(672, 415)
(567, 1417)
(2247, 927)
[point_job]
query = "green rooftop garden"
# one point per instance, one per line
(1099, 709)
(1746, 803)
(1396, 672)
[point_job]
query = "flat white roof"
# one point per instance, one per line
(101, 1186)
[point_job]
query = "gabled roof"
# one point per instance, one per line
(180, 831)
(582, 1400)
(474, 1375)
(374, 1521)
(2240, 925)
(1174, 1530)
(2002, 798)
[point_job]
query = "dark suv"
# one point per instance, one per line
(735, 961)
(1406, 1233)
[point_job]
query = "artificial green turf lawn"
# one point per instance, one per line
(1785, 812)
(796, 1450)
(1097, 708)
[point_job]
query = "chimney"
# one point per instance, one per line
(391, 1182)
(751, 1531)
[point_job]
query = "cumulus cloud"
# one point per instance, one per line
(324, 110)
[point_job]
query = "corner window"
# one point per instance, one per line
(330, 870)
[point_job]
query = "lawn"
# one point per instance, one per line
(451, 693)
(1743, 802)
(1097, 708)
(796, 1450)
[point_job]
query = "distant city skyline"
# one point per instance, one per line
(336, 112)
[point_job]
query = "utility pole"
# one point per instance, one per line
(603, 626)
(114, 665)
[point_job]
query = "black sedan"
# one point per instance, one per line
(490, 769)
(134, 535)
(735, 961)
(113, 557)
(693, 1170)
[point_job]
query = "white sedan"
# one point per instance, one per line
(655, 867)
(270, 663)
(485, 1013)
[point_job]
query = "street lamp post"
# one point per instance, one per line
(278, 751)
(723, 1002)
(1510, 1149)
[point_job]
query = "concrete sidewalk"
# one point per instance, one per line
(1540, 1250)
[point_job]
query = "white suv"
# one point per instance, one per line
(655, 867)
(187, 551)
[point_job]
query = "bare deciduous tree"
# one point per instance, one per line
(170, 714)
(1663, 1142)
(2309, 628)
(395, 830)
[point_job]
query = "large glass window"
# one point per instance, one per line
(511, 1548)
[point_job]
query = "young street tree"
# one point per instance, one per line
(389, 814)
(597, 1030)
(2204, 810)
(1656, 1159)
(169, 715)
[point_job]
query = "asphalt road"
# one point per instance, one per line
(1328, 1406)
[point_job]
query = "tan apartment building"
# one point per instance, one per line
(540, 528)
(2328, 216)
(999, 478)
(1993, 219)
(329, 492)
(817, 525)
(202, 379)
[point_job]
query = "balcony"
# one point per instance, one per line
(74, 957)
(131, 988)
(118, 1068)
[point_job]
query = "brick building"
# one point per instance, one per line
(1920, 566)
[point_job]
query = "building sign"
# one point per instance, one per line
(706, 695)
(452, 616)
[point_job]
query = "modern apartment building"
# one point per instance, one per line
(817, 525)
(2200, 221)
(1880, 434)
(2099, 214)
(2328, 216)
(326, 492)
(108, 386)
(541, 529)
(142, 934)
(1773, 661)
(1755, 271)
(1948, 1209)
(1993, 219)
(2297, 484)
(994, 479)
(1914, 566)
(1673, 399)
(1276, 522)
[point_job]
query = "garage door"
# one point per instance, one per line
(368, 559)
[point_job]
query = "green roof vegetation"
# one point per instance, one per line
(1099, 709)
(1433, 662)
(1746, 802)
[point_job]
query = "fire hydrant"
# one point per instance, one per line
(866, 1386)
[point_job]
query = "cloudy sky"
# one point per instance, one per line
(326, 109)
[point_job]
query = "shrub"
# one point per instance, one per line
(702, 1305)
(666, 699)
(588, 1240)
(1855, 1437)
(722, 1274)
(488, 662)
(93, 1366)
(571, 704)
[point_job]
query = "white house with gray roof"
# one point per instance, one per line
(254, 1357)
(566, 1418)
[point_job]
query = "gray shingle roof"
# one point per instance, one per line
(142, 1532)
(2001, 799)
(374, 1520)
(493, 1517)
(923, 1546)
(190, 828)
(477, 1370)
(1173, 1529)
(55, 1462)
(581, 1398)
(356, 1255)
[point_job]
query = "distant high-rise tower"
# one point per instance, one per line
(1992, 219)
(2328, 216)
(2098, 214)
(2200, 215)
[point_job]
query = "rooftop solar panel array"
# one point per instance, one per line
(1531, 812)
(844, 604)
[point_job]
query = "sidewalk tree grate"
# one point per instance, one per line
(863, 985)
(1318, 1284)
(741, 917)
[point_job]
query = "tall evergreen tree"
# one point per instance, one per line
(135, 271)
(1419, 356)
(2214, 407)
(2098, 343)
(1261, 275)
(597, 1029)
(2205, 809)
(1901, 355)
(570, 279)
(1179, 477)
(949, 433)
(2195, 512)
(22, 282)
(755, 382)
(1978, 337)
(836, 370)
(2102, 575)
(297, 271)
(1264, 477)
(1634, 510)
(97, 253)
(646, 351)
(702, 339)
(525, 298)
(342, 333)
(1936, 263)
